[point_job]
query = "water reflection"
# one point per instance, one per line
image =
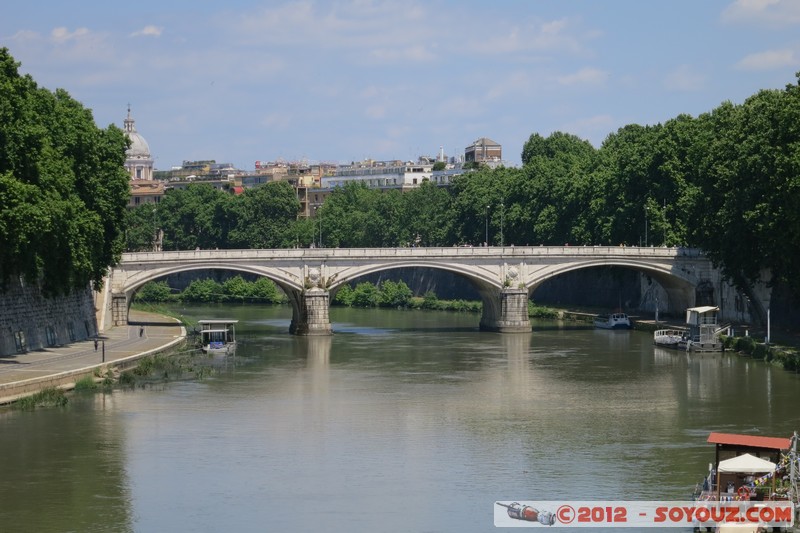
(65, 471)
(397, 417)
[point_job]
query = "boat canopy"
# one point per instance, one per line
(746, 464)
(752, 441)
(703, 309)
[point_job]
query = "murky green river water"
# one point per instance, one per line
(402, 421)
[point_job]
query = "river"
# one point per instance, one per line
(402, 421)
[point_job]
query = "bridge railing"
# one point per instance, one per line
(517, 252)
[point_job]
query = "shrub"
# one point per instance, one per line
(154, 291)
(206, 290)
(235, 289)
(430, 300)
(365, 295)
(394, 294)
(265, 290)
(344, 296)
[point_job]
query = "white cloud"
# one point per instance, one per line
(551, 36)
(771, 59)
(62, 34)
(149, 31)
(585, 76)
(684, 78)
(772, 12)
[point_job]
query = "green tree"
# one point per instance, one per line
(141, 225)
(236, 289)
(63, 187)
(344, 296)
(206, 290)
(394, 294)
(196, 217)
(265, 290)
(366, 294)
(747, 210)
(155, 291)
(265, 217)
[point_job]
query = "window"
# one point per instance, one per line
(19, 341)
(52, 339)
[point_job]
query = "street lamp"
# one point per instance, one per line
(486, 239)
(645, 225)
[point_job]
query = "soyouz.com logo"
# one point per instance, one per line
(641, 514)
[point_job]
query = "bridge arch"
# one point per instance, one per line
(678, 284)
(289, 286)
(483, 280)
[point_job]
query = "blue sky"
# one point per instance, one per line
(339, 81)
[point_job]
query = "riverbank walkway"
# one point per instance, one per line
(61, 366)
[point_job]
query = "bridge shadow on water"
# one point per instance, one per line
(354, 329)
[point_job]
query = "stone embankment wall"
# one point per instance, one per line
(30, 321)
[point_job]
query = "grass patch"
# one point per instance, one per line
(176, 364)
(49, 397)
(86, 383)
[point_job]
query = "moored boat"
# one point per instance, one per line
(613, 321)
(218, 336)
(751, 468)
(669, 338)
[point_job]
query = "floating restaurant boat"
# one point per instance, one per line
(751, 468)
(613, 321)
(218, 336)
(702, 333)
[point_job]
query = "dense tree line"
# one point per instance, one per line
(235, 289)
(63, 187)
(727, 181)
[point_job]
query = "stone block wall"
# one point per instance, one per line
(30, 321)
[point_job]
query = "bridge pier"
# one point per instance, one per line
(119, 309)
(506, 312)
(310, 313)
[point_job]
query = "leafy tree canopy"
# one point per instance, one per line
(63, 187)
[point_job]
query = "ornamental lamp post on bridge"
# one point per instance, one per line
(502, 216)
(486, 238)
(318, 214)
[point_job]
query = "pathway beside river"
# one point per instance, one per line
(61, 366)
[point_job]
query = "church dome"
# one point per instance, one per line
(138, 161)
(139, 148)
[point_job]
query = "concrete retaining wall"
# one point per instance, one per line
(30, 321)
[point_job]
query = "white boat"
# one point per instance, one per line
(669, 338)
(612, 321)
(218, 336)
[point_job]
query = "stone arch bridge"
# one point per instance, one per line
(504, 277)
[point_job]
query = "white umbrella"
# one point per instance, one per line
(746, 464)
